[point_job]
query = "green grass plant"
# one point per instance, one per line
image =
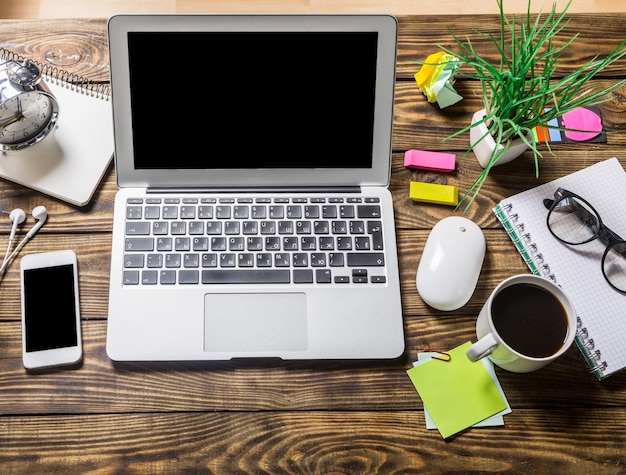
(524, 91)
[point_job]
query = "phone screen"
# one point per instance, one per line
(50, 308)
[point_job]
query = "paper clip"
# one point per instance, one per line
(446, 356)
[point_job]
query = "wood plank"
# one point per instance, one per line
(105, 8)
(421, 35)
(580, 441)
(32, 39)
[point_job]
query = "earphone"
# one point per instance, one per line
(17, 217)
(40, 213)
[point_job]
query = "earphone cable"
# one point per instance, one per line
(7, 260)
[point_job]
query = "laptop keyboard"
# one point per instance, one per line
(257, 240)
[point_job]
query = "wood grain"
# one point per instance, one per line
(334, 417)
(313, 442)
(105, 8)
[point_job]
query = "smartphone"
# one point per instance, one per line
(51, 333)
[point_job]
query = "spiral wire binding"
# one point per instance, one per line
(536, 263)
(62, 77)
(587, 346)
(523, 241)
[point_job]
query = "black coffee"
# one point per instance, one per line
(530, 320)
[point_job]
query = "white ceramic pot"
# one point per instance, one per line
(484, 149)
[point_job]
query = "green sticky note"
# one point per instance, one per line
(444, 92)
(457, 393)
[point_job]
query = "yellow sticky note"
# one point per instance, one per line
(436, 78)
(457, 393)
(434, 193)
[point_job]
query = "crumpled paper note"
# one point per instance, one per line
(436, 79)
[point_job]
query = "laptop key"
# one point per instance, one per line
(375, 228)
(139, 244)
(170, 212)
(167, 277)
(302, 276)
(323, 276)
(335, 259)
(365, 259)
(368, 211)
(248, 276)
(131, 277)
(133, 260)
(133, 212)
(149, 277)
(188, 277)
(164, 244)
(137, 227)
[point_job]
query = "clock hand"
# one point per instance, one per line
(17, 118)
(12, 120)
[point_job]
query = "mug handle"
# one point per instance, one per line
(482, 348)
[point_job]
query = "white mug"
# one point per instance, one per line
(518, 341)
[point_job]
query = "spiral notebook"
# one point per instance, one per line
(70, 163)
(601, 332)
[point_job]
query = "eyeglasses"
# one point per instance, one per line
(572, 220)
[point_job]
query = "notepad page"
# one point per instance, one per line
(577, 269)
(69, 163)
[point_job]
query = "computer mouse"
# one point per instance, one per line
(450, 264)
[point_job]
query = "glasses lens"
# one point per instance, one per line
(573, 221)
(614, 265)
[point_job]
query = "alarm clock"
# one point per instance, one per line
(28, 110)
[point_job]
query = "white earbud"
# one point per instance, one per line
(17, 217)
(40, 213)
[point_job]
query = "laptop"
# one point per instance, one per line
(253, 219)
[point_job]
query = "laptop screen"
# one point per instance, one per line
(257, 100)
(252, 100)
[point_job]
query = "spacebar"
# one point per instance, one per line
(252, 276)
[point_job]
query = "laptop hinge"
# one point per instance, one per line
(328, 189)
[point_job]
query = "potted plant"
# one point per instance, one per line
(524, 90)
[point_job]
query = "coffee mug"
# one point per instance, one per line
(526, 323)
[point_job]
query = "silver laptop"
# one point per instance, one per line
(253, 218)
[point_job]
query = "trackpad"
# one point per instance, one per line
(255, 322)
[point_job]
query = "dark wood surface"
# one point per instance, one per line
(309, 417)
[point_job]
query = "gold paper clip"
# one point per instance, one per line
(445, 356)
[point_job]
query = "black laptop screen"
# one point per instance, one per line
(206, 100)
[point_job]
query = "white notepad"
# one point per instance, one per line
(69, 163)
(600, 309)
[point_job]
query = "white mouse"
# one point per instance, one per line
(451, 262)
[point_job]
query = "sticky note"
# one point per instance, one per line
(495, 420)
(436, 79)
(437, 161)
(541, 134)
(458, 393)
(587, 123)
(434, 193)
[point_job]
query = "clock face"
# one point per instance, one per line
(25, 117)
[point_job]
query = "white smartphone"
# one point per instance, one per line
(51, 333)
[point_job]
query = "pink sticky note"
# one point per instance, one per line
(437, 161)
(582, 119)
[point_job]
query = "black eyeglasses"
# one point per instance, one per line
(572, 220)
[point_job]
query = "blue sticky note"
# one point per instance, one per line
(555, 134)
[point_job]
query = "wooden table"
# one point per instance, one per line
(308, 417)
